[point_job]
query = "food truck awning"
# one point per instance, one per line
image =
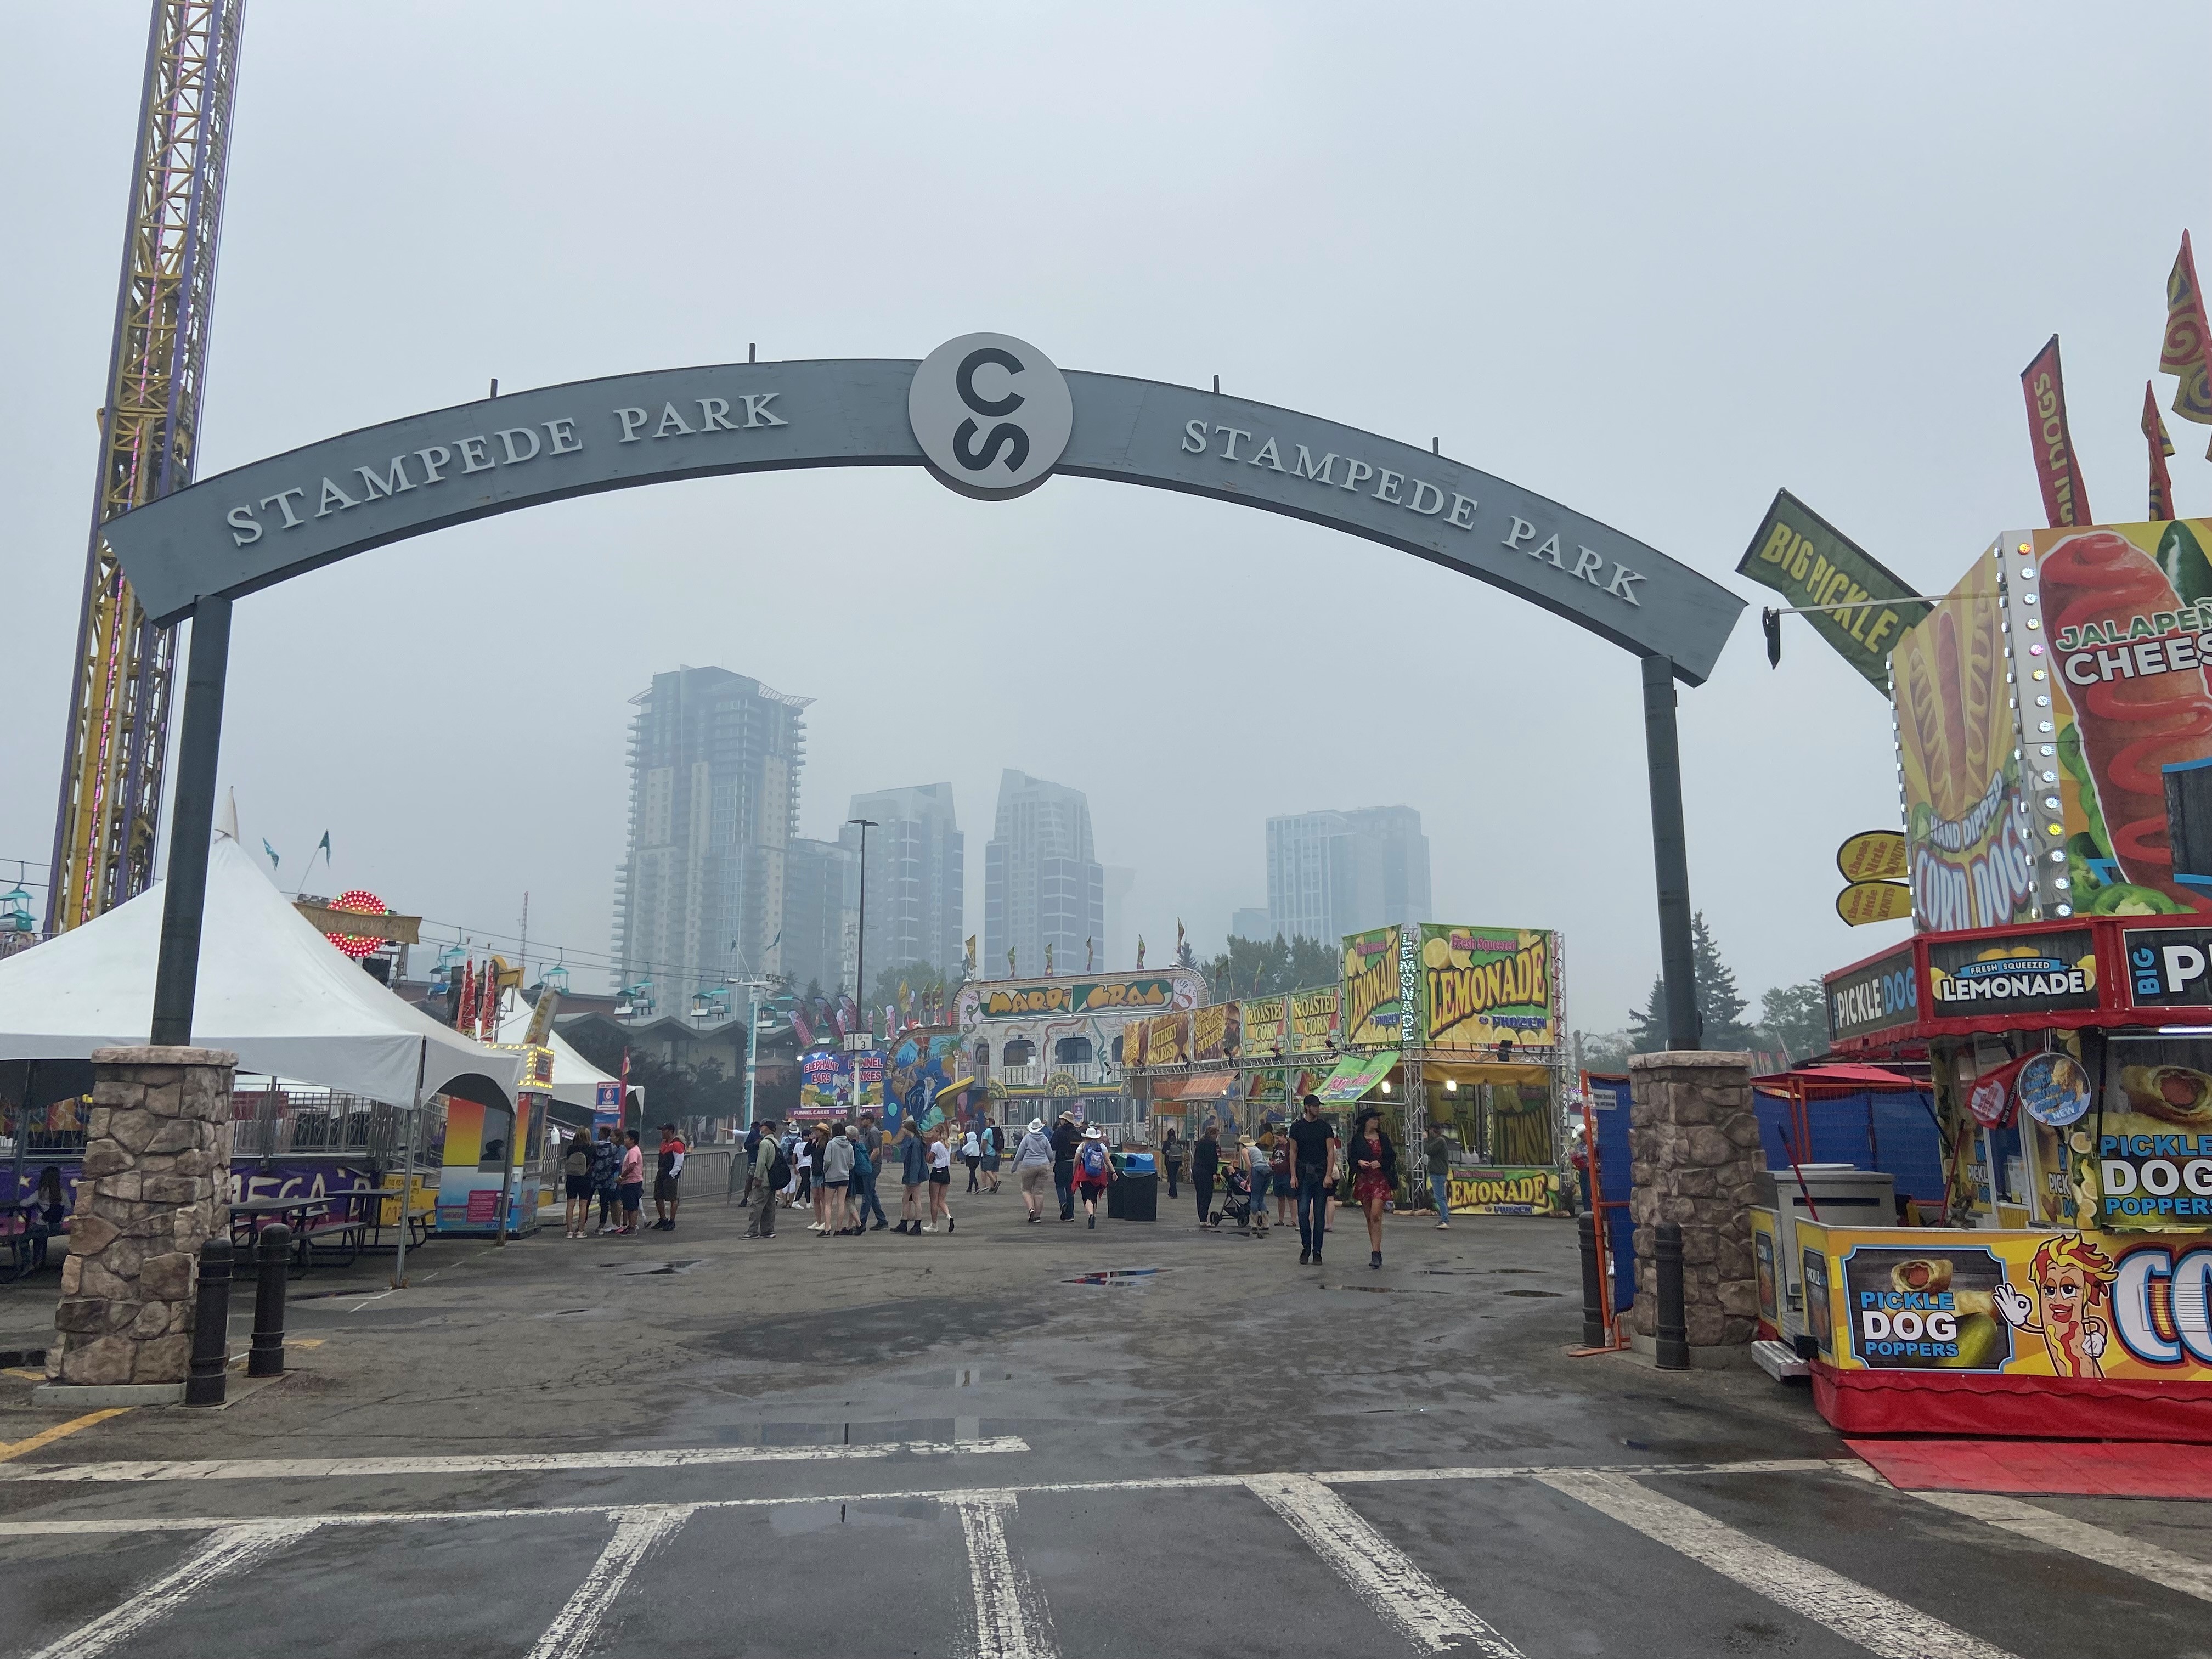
(1199, 1085)
(1356, 1074)
(1851, 1078)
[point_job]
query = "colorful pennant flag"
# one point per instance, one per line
(2187, 353)
(2065, 501)
(2154, 429)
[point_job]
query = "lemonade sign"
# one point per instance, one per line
(1484, 985)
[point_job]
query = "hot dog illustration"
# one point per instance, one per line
(2071, 1278)
(2136, 722)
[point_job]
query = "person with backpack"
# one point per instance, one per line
(753, 1137)
(994, 1139)
(606, 1170)
(770, 1169)
(577, 1167)
(864, 1181)
(1066, 1137)
(1033, 1162)
(914, 1176)
(1093, 1170)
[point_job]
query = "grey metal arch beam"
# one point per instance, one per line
(272, 520)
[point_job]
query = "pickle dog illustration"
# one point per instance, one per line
(2071, 1277)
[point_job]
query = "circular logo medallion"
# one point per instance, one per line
(992, 414)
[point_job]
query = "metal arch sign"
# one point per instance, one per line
(988, 415)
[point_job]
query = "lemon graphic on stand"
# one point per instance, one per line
(1435, 953)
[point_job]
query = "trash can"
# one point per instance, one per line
(1134, 1198)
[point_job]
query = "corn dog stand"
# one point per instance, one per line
(2066, 1294)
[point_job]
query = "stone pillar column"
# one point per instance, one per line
(1694, 1152)
(156, 1186)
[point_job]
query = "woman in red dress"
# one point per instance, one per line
(1374, 1177)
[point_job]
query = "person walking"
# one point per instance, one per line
(753, 1138)
(914, 1176)
(837, 1179)
(1204, 1164)
(631, 1182)
(1437, 1148)
(1171, 1158)
(863, 1189)
(1260, 1175)
(1066, 1137)
(769, 1171)
(971, 1154)
(941, 1180)
(1033, 1167)
(606, 1176)
(667, 1171)
(995, 1152)
(1093, 1171)
(577, 1167)
(802, 1164)
(1374, 1176)
(1313, 1176)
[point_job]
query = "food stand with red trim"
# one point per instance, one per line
(2069, 1294)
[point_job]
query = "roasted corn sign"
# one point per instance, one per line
(1488, 985)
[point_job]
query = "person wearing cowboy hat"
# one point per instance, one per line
(1033, 1162)
(1093, 1170)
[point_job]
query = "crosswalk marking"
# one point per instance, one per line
(2134, 1555)
(636, 1532)
(1876, 1622)
(1380, 1573)
(672, 1457)
(232, 1547)
(1011, 1619)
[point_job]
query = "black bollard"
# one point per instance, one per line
(1673, 1323)
(210, 1326)
(1593, 1282)
(273, 1261)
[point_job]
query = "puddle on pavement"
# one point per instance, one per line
(1561, 1294)
(639, 1269)
(1124, 1278)
(1514, 1270)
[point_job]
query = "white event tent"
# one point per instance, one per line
(271, 988)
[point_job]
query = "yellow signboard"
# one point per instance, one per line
(1873, 855)
(1489, 985)
(1863, 902)
(1314, 1020)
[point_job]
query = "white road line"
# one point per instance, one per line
(1876, 1622)
(236, 1545)
(943, 1494)
(1380, 1573)
(2062, 1531)
(1011, 1622)
(325, 1468)
(636, 1532)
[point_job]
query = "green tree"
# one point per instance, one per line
(1797, 1015)
(1265, 968)
(1720, 1005)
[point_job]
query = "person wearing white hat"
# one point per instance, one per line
(1093, 1170)
(1033, 1168)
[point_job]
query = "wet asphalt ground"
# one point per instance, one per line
(980, 1443)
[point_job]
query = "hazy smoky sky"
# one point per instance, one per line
(1652, 262)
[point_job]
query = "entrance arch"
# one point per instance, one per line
(991, 417)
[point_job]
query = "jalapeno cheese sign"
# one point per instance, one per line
(989, 414)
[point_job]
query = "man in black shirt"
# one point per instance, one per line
(1313, 1175)
(1066, 1137)
(1204, 1164)
(753, 1153)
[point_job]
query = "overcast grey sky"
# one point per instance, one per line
(1654, 264)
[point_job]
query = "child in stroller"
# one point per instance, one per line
(1237, 1204)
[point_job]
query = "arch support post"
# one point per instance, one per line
(1669, 852)
(184, 897)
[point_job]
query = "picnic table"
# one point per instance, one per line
(326, 1213)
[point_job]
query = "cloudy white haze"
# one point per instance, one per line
(1651, 263)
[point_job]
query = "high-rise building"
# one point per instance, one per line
(1042, 883)
(1118, 950)
(714, 760)
(1333, 873)
(821, 935)
(917, 875)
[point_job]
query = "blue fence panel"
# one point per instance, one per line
(1891, 1132)
(1609, 1108)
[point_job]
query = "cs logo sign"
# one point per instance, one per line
(992, 414)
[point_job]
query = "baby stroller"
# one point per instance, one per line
(1237, 1204)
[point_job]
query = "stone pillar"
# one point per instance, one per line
(156, 1186)
(1694, 1152)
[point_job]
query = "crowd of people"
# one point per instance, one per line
(831, 1171)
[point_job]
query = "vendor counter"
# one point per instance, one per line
(2038, 1334)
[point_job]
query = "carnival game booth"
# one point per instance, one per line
(2066, 1292)
(335, 1070)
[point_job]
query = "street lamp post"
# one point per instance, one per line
(860, 951)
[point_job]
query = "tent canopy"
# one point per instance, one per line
(270, 988)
